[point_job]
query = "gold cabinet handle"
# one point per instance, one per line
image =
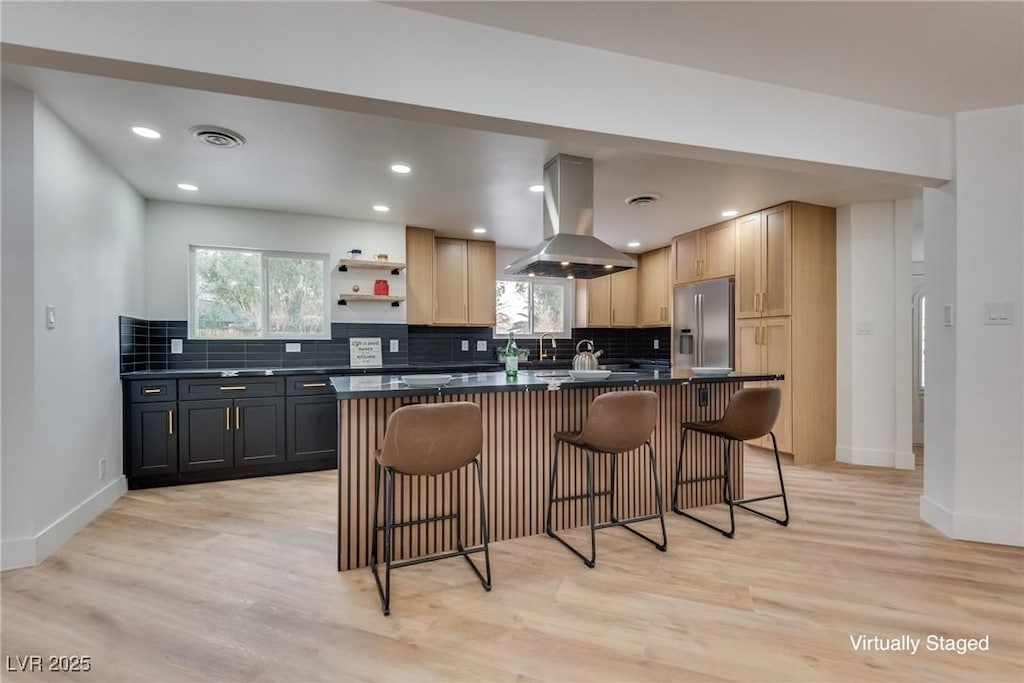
(764, 301)
(233, 388)
(238, 417)
(757, 302)
(152, 391)
(696, 267)
(170, 422)
(757, 336)
(227, 418)
(309, 385)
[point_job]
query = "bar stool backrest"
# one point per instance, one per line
(620, 421)
(432, 438)
(751, 413)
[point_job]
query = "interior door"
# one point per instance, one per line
(748, 265)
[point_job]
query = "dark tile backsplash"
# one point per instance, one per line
(146, 345)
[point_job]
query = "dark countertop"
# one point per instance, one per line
(343, 370)
(382, 386)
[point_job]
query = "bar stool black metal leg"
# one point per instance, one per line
(727, 489)
(484, 533)
(613, 513)
(657, 498)
(742, 504)
(726, 495)
(384, 589)
(551, 489)
(589, 495)
(590, 504)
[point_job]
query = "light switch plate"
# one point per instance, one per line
(481, 345)
(51, 317)
(292, 347)
(948, 316)
(393, 345)
(999, 313)
(176, 346)
(465, 345)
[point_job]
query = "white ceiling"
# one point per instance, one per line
(932, 57)
(323, 161)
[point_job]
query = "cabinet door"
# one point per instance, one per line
(748, 266)
(481, 278)
(259, 431)
(599, 302)
(719, 251)
(750, 354)
(312, 428)
(624, 298)
(654, 288)
(419, 283)
(207, 435)
(777, 345)
(154, 433)
(687, 251)
(777, 274)
(450, 287)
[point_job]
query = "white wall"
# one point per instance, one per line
(974, 231)
(87, 260)
(873, 400)
(172, 227)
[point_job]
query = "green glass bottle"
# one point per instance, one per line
(511, 357)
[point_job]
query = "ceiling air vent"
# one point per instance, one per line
(215, 136)
(641, 199)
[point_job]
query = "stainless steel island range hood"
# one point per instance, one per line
(569, 247)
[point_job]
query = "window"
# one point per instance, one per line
(531, 307)
(251, 294)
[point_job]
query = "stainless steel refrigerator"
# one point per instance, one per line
(703, 324)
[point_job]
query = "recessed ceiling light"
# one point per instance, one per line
(401, 168)
(531, 275)
(380, 208)
(188, 187)
(536, 188)
(479, 231)
(144, 132)
(730, 213)
(608, 266)
(633, 244)
(569, 277)
(565, 263)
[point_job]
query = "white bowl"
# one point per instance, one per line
(426, 380)
(590, 374)
(711, 372)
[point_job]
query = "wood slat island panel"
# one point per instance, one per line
(516, 459)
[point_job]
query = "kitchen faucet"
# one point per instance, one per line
(540, 342)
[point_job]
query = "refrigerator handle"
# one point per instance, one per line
(700, 330)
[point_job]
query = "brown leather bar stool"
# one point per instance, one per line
(751, 414)
(427, 440)
(617, 422)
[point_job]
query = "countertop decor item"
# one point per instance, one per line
(586, 360)
(355, 254)
(426, 380)
(382, 257)
(590, 374)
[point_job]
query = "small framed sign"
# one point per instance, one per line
(365, 352)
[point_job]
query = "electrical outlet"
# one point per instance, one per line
(103, 469)
(465, 345)
(292, 347)
(703, 397)
(176, 346)
(481, 345)
(393, 345)
(657, 344)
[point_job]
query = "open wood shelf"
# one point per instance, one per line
(366, 264)
(393, 300)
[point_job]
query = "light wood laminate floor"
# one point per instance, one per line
(235, 581)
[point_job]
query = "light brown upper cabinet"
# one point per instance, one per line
(450, 281)
(704, 254)
(480, 283)
(419, 285)
(609, 301)
(624, 298)
(764, 271)
(655, 289)
(451, 291)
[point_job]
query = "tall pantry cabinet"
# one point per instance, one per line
(785, 300)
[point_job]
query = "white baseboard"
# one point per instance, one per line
(937, 515)
(965, 527)
(27, 552)
(905, 460)
(870, 457)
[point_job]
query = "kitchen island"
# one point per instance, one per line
(519, 417)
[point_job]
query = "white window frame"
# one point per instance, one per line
(570, 300)
(265, 308)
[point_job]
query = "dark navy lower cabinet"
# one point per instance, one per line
(227, 430)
